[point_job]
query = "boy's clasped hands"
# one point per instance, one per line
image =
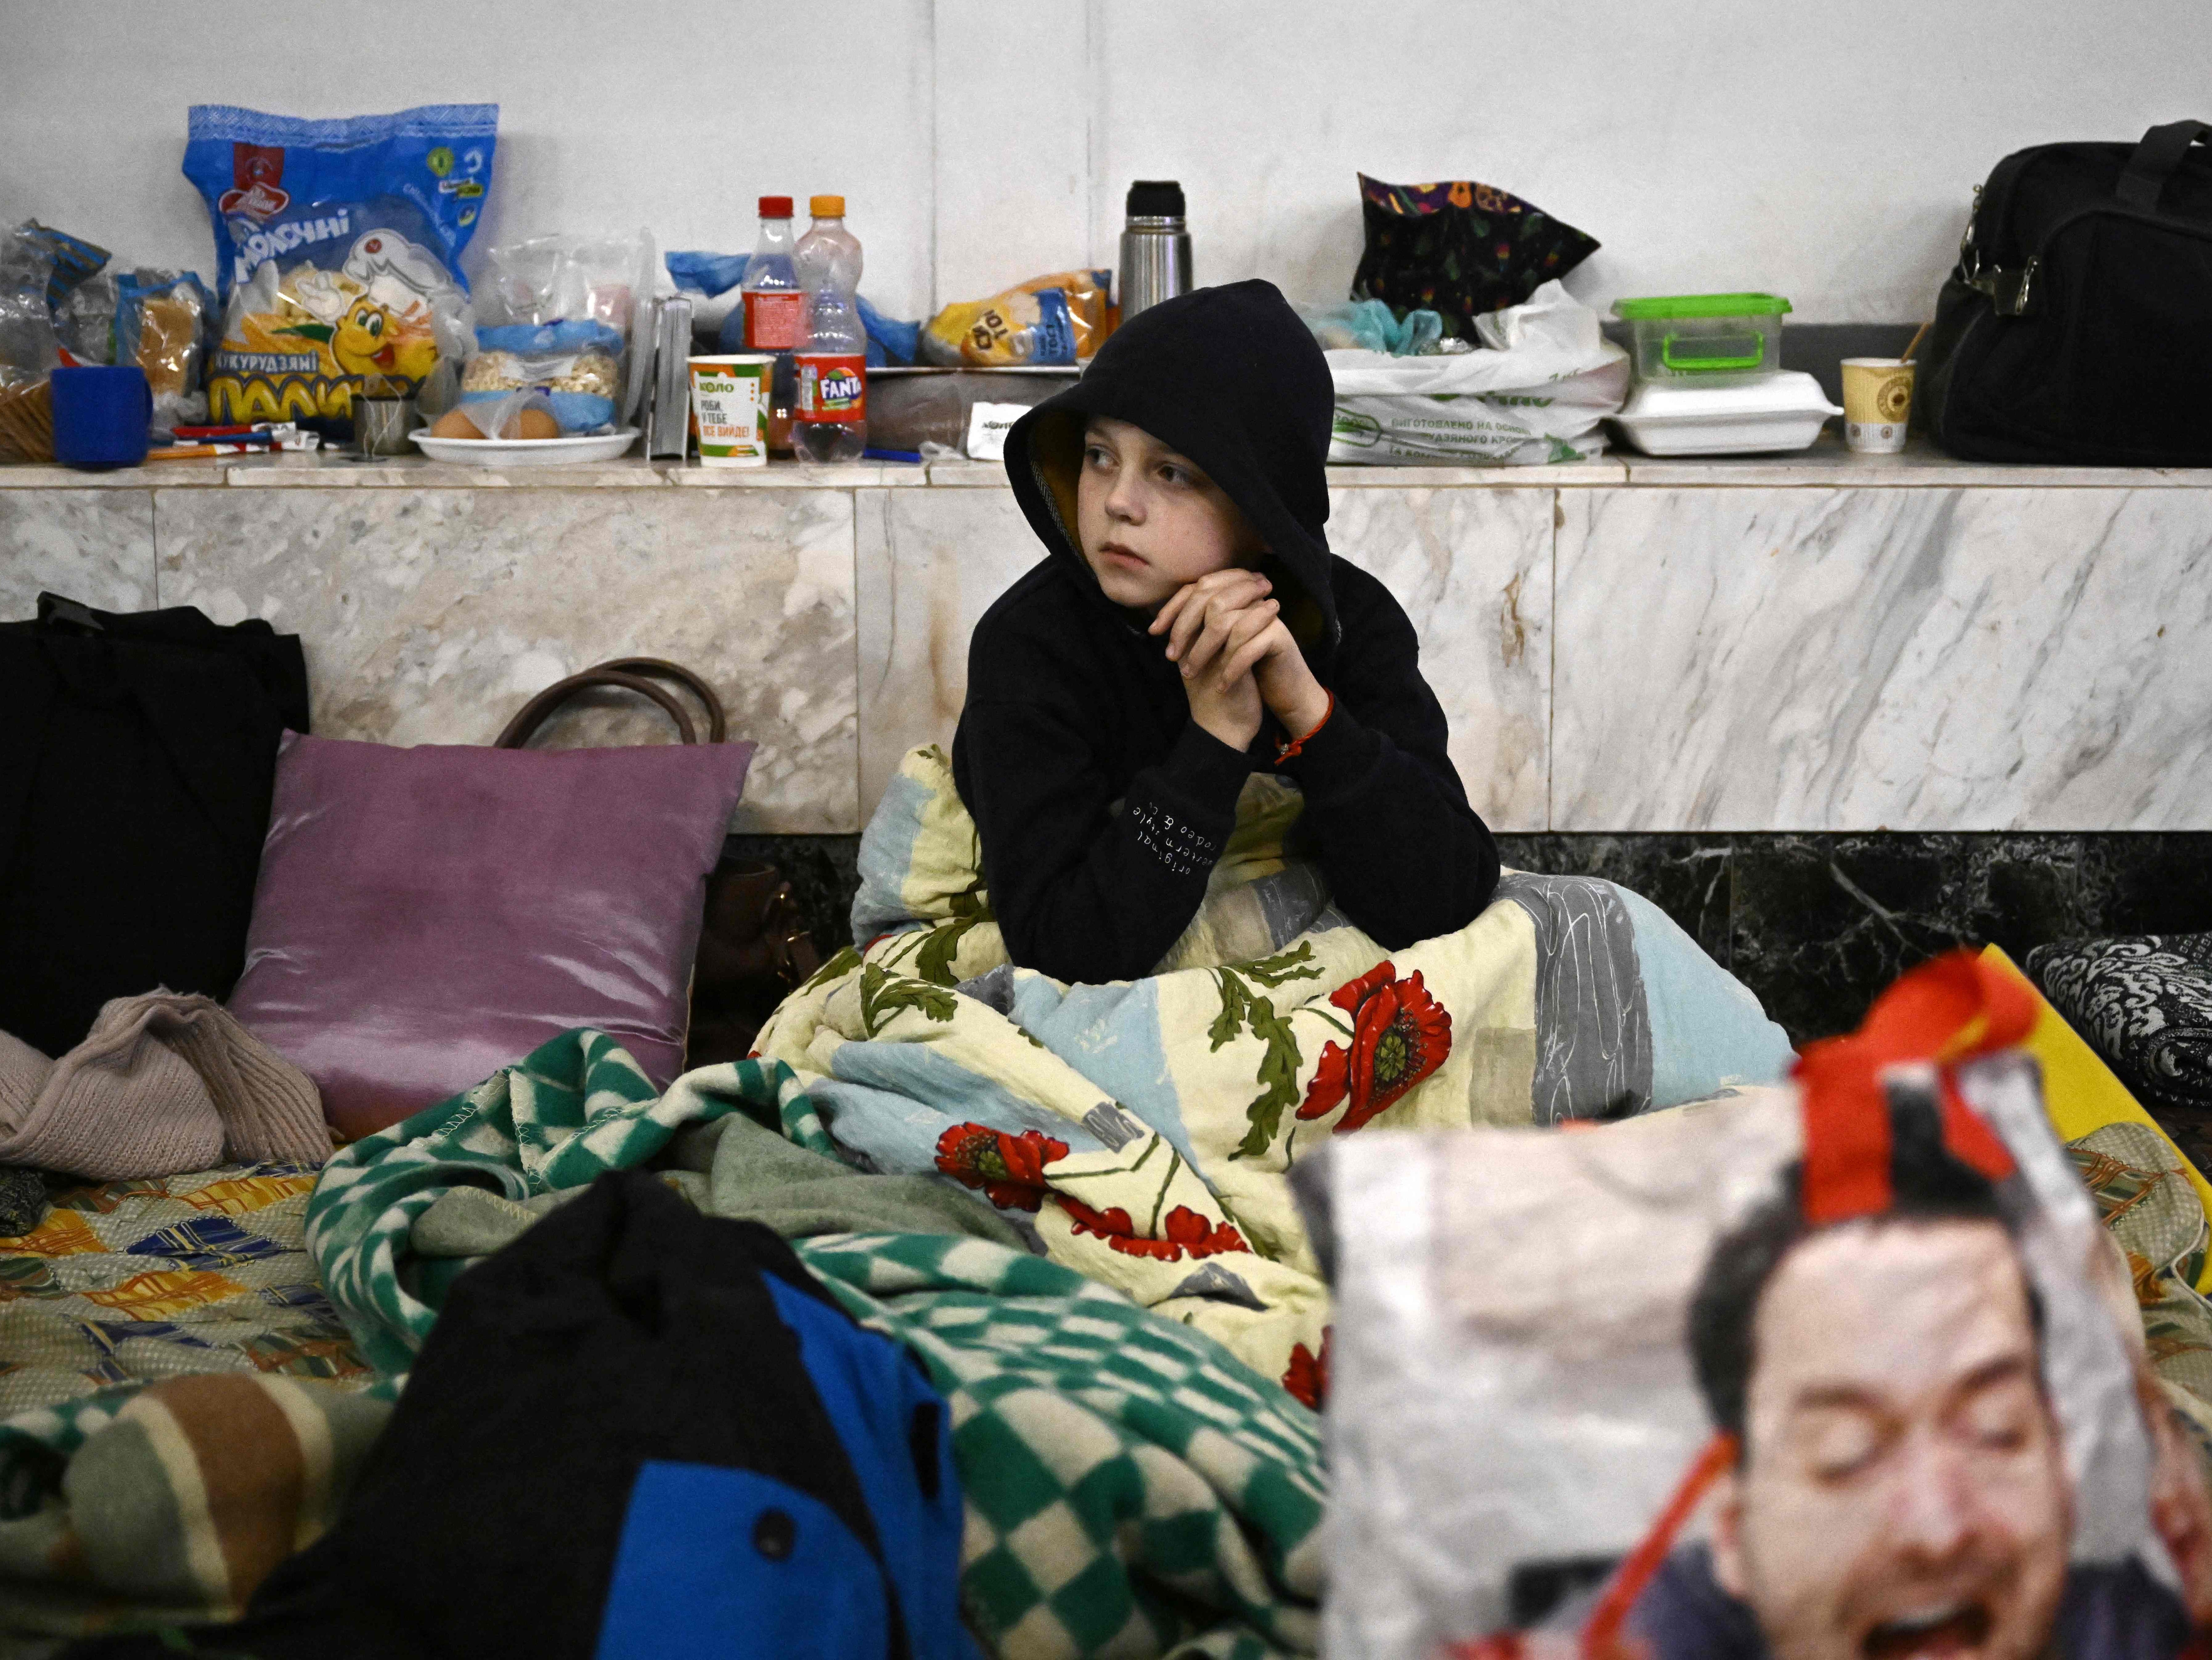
(1225, 632)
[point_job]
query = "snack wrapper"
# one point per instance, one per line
(337, 247)
(1059, 320)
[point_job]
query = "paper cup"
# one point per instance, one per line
(729, 408)
(1877, 404)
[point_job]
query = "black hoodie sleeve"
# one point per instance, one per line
(1406, 856)
(1083, 892)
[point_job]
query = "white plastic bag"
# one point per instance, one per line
(1535, 396)
(1531, 1331)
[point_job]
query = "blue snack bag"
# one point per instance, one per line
(260, 172)
(337, 252)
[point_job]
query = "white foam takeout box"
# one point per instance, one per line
(1771, 414)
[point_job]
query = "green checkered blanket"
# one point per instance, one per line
(1132, 1489)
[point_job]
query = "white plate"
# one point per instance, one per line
(525, 452)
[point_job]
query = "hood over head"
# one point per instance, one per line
(1232, 378)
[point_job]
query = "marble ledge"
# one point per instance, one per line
(1831, 464)
(1827, 466)
(341, 472)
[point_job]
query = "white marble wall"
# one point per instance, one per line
(1781, 648)
(1824, 152)
(1923, 659)
(93, 545)
(1473, 567)
(431, 616)
(930, 564)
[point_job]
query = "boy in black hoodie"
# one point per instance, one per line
(1188, 626)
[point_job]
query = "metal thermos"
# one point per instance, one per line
(1155, 245)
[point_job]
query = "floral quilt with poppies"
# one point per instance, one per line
(1140, 1132)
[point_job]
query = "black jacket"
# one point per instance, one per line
(136, 756)
(1102, 805)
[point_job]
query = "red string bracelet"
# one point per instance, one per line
(1297, 745)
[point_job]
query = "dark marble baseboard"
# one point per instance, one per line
(1816, 924)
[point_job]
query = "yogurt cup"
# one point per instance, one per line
(729, 406)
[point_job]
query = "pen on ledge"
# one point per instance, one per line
(187, 452)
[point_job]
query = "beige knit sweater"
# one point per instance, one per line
(163, 1083)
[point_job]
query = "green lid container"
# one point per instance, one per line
(1666, 306)
(1707, 338)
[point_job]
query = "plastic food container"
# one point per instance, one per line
(1777, 413)
(1705, 337)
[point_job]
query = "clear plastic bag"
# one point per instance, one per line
(38, 268)
(84, 322)
(158, 319)
(577, 365)
(555, 314)
(500, 414)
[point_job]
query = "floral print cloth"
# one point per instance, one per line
(1459, 249)
(1140, 1132)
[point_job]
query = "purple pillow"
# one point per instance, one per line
(425, 917)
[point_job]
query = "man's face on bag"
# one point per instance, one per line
(1902, 1493)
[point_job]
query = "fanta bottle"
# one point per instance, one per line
(832, 421)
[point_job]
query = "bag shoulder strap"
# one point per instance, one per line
(2143, 179)
(660, 668)
(533, 715)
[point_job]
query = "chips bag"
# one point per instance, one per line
(1056, 319)
(337, 252)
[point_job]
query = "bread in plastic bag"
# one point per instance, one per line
(162, 321)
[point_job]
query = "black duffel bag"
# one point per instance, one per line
(2077, 325)
(136, 756)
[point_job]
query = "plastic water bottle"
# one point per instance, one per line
(775, 313)
(832, 421)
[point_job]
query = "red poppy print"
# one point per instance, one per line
(1399, 1035)
(1308, 1377)
(1119, 1232)
(1186, 1233)
(1200, 1237)
(1009, 1168)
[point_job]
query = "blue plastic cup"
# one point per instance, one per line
(102, 415)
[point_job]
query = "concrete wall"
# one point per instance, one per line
(1826, 152)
